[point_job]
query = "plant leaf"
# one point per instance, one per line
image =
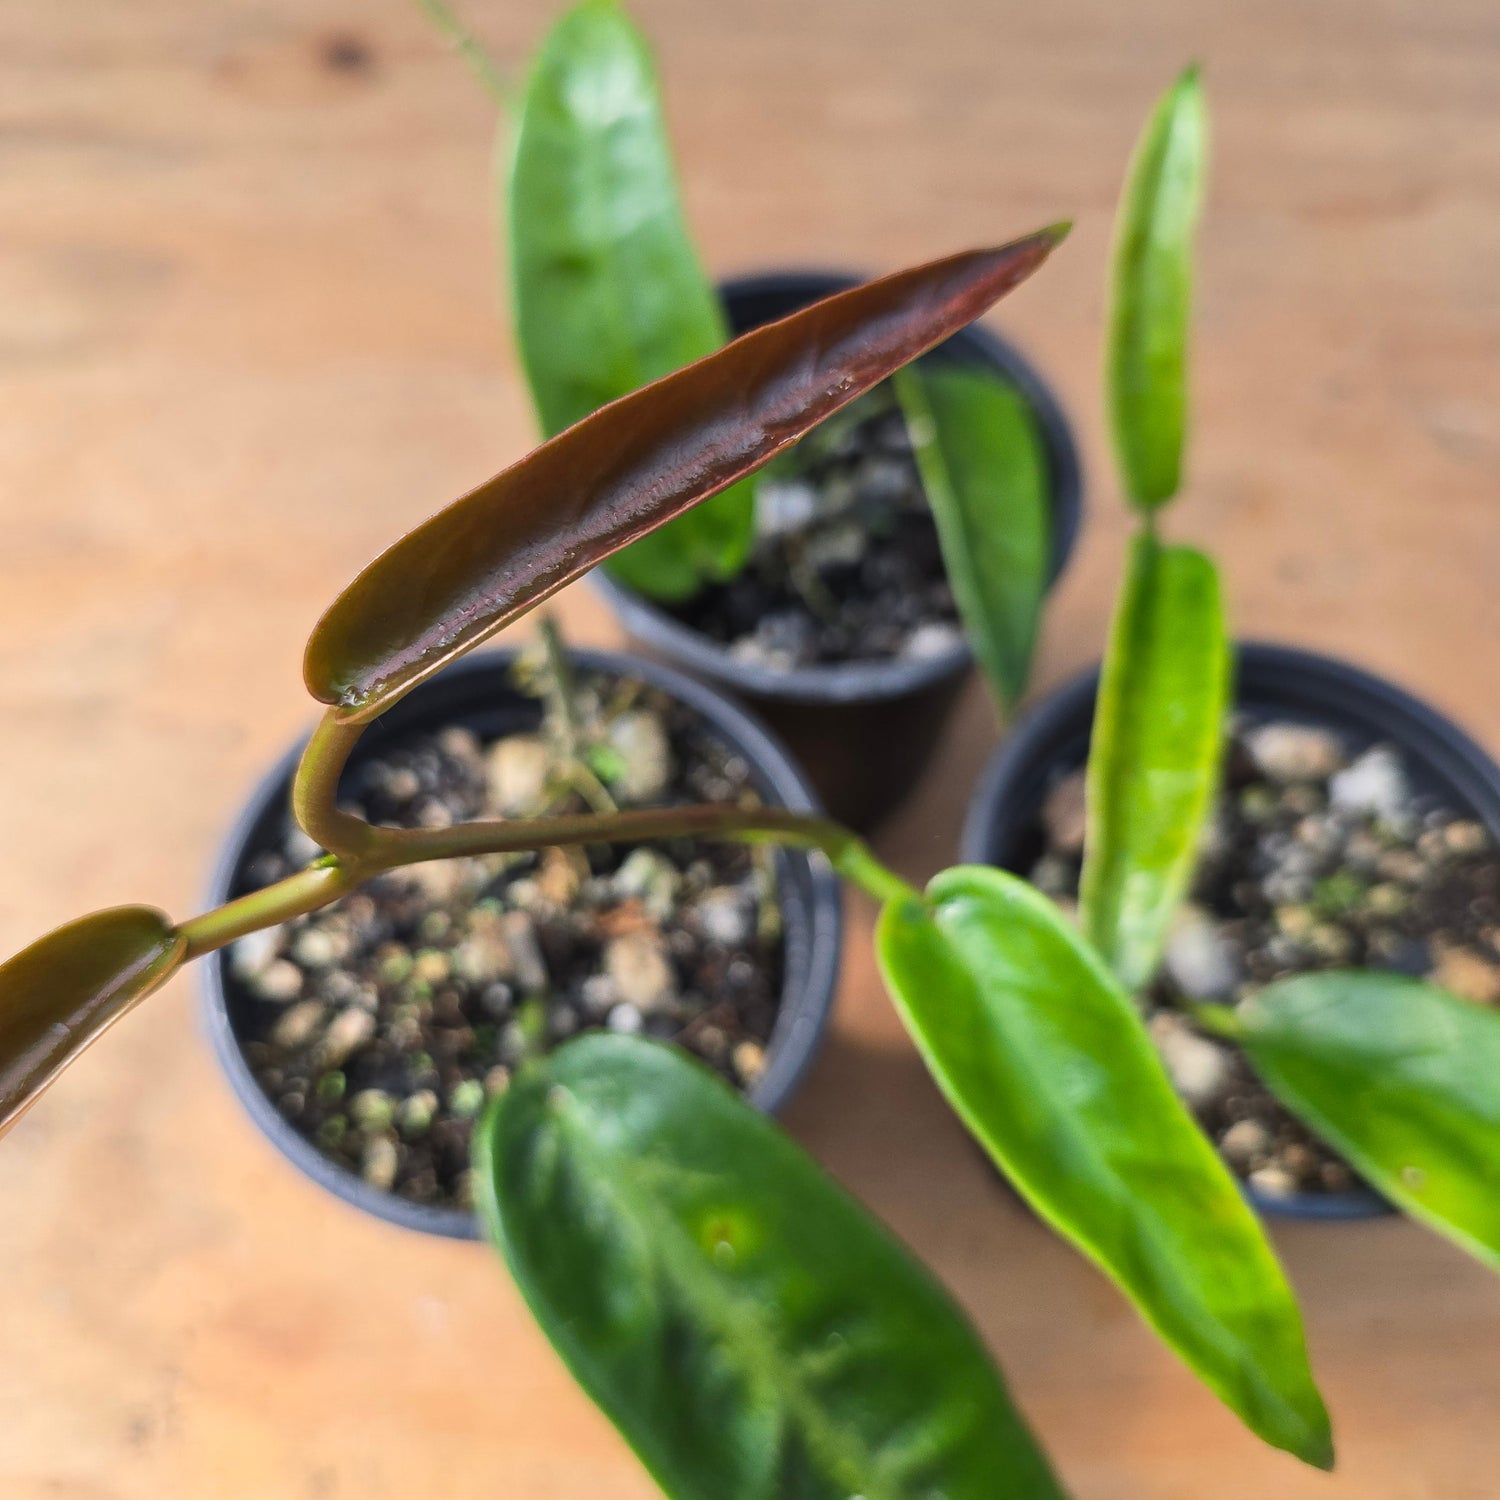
(1047, 1062)
(1150, 300)
(1400, 1078)
(607, 287)
(984, 469)
(749, 1328)
(629, 468)
(65, 989)
(1154, 757)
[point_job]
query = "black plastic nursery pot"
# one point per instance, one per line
(863, 731)
(1004, 826)
(477, 693)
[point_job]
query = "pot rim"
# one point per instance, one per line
(806, 1001)
(1335, 693)
(863, 681)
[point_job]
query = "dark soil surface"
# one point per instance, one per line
(380, 1025)
(846, 565)
(1316, 859)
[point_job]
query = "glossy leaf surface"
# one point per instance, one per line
(1402, 1079)
(1044, 1057)
(1150, 303)
(60, 993)
(1155, 753)
(630, 467)
(746, 1325)
(984, 469)
(607, 287)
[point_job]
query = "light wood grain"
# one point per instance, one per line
(250, 330)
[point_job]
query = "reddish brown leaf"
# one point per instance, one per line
(629, 468)
(60, 993)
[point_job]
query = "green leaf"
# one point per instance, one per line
(1402, 1079)
(608, 290)
(984, 469)
(633, 466)
(63, 991)
(1155, 754)
(749, 1328)
(1150, 300)
(1047, 1062)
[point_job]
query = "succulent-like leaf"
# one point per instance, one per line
(60, 993)
(1401, 1079)
(749, 1328)
(1151, 294)
(629, 468)
(985, 472)
(1154, 759)
(1044, 1057)
(608, 290)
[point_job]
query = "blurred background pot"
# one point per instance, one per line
(864, 730)
(479, 695)
(1005, 827)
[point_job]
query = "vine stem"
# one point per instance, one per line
(316, 785)
(293, 897)
(385, 849)
(358, 851)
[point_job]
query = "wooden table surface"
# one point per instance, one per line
(250, 331)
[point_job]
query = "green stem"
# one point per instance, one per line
(849, 855)
(293, 897)
(464, 42)
(857, 864)
(388, 848)
(316, 786)
(779, 825)
(558, 685)
(560, 689)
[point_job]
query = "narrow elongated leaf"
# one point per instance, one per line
(1151, 294)
(631, 467)
(1155, 755)
(1047, 1062)
(64, 990)
(608, 290)
(749, 1328)
(1402, 1079)
(984, 469)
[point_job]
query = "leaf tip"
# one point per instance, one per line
(1318, 1450)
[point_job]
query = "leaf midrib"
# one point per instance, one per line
(1231, 1345)
(729, 1313)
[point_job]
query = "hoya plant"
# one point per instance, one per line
(1402, 1078)
(608, 291)
(748, 1328)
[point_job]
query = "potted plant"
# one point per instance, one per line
(741, 1320)
(748, 1329)
(1273, 893)
(366, 1037)
(823, 590)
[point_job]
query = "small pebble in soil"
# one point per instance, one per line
(251, 956)
(279, 981)
(1320, 855)
(1199, 959)
(382, 1024)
